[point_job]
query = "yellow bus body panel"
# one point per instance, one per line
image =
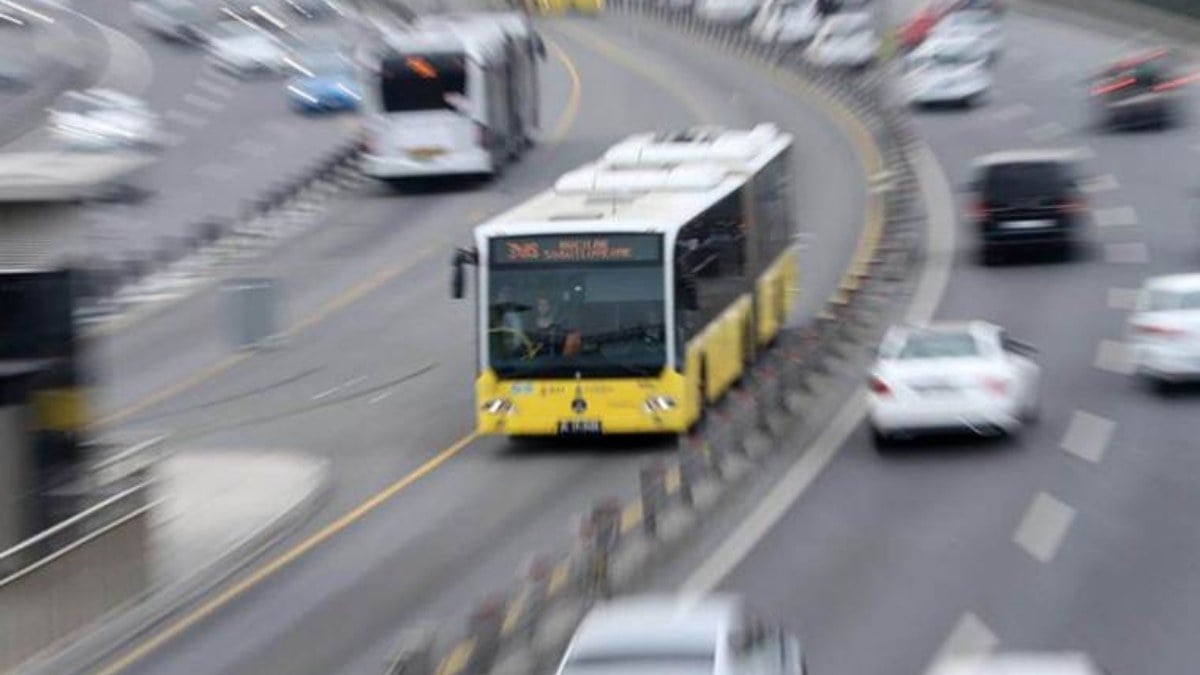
(62, 409)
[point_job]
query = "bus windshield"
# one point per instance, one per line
(568, 305)
(417, 82)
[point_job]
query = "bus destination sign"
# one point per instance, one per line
(594, 248)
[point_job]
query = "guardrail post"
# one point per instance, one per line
(484, 626)
(601, 530)
(537, 584)
(653, 483)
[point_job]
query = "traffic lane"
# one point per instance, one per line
(570, 489)
(250, 633)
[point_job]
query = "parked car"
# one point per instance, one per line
(729, 12)
(786, 22)
(939, 73)
(846, 40)
(104, 119)
(979, 25)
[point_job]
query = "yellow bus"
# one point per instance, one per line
(638, 289)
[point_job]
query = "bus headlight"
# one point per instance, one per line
(498, 406)
(658, 404)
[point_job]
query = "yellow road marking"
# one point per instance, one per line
(210, 607)
(571, 111)
(673, 479)
(513, 615)
(456, 660)
(558, 578)
(631, 517)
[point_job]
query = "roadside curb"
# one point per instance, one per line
(110, 634)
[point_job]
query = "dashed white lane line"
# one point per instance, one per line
(1088, 436)
(1104, 183)
(187, 119)
(255, 148)
(1120, 216)
(1043, 527)
(970, 638)
(1115, 357)
(1127, 253)
(1125, 299)
(1012, 112)
(379, 397)
(203, 103)
(217, 171)
(1047, 132)
(214, 88)
(333, 390)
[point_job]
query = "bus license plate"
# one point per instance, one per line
(579, 427)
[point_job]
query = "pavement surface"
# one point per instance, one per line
(1076, 535)
(375, 375)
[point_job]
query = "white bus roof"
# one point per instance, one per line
(651, 198)
(701, 144)
(476, 39)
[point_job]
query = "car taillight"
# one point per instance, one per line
(996, 385)
(1110, 87)
(1157, 330)
(1177, 83)
(879, 387)
(979, 209)
(1075, 205)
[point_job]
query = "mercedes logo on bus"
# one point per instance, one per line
(579, 406)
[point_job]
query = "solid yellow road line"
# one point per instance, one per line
(262, 573)
(571, 111)
(558, 578)
(456, 661)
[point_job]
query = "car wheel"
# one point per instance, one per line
(881, 439)
(991, 257)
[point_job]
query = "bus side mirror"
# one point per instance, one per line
(687, 294)
(462, 257)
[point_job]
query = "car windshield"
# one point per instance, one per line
(561, 305)
(938, 345)
(1022, 181)
(1164, 301)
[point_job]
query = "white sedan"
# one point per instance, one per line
(1018, 664)
(952, 376)
(786, 22)
(104, 119)
(243, 49)
(728, 12)
(661, 635)
(845, 40)
(940, 73)
(1164, 331)
(980, 26)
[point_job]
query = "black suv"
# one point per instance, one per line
(1030, 199)
(1138, 91)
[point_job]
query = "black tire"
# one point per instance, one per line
(881, 440)
(991, 256)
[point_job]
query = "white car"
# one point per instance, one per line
(730, 12)
(978, 25)
(845, 40)
(172, 19)
(104, 120)
(1164, 330)
(951, 376)
(786, 22)
(935, 74)
(244, 49)
(660, 635)
(1018, 664)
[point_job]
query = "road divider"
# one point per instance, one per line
(789, 393)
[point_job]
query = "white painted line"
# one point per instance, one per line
(1043, 527)
(187, 119)
(204, 103)
(970, 639)
(1088, 436)
(214, 88)
(931, 286)
(1103, 183)
(1047, 132)
(1123, 298)
(379, 397)
(327, 393)
(1127, 253)
(1120, 216)
(1115, 357)
(1013, 112)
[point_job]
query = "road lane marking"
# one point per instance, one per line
(1120, 216)
(1047, 132)
(356, 514)
(1043, 527)
(1088, 436)
(970, 638)
(187, 119)
(380, 397)
(1115, 357)
(1103, 183)
(1123, 298)
(1127, 253)
(206, 104)
(571, 110)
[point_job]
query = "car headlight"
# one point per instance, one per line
(498, 406)
(658, 404)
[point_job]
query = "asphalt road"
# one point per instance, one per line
(1080, 533)
(377, 375)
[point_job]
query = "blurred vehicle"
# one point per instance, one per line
(981, 26)
(994, 6)
(1164, 330)
(456, 95)
(845, 40)
(728, 12)
(11, 19)
(1142, 90)
(659, 635)
(180, 20)
(786, 22)
(325, 82)
(104, 119)
(1027, 198)
(313, 9)
(914, 31)
(64, 176)
(243, 49)
(935, 74)
(957, 43)
(1019, 664)
(951, 376)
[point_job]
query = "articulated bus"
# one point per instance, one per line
(452, 95)
(638, 289)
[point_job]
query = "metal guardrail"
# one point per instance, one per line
(525, 629)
